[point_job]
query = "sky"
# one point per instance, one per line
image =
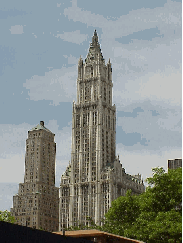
(40, 45)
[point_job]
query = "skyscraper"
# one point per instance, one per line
(174, 163)
(95, 176)
(37, 202)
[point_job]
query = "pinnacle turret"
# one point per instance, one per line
(80, 61)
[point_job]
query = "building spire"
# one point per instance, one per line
(94, 50)
(95, 39)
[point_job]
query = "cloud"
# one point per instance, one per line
(12, 139)
(7, 191)
(154, 132)
(16, 30)
(142, 161)
(12, 167)
(136, 20)
(77, 14)
(57, 85)
(34, 35)
(157, 86)
(71, 59)
(74, 37)
(146, 56)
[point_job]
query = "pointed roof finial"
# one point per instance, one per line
(94, 50)
(95, 38)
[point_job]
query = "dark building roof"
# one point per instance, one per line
(20, 234)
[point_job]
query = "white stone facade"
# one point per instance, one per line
(95, 177)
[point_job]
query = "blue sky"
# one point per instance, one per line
(40, 45)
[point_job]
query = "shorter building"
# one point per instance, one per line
(98, 236)
(37, 203)
(174, 163)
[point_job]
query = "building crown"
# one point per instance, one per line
(94, 53)
(40, 127)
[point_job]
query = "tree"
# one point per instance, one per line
(122, 214)
(6, 216)
(153, 216)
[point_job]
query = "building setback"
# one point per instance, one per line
(37, 203)
(95, 176)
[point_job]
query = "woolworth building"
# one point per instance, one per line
(95, 176)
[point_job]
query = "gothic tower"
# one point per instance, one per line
(95, 176)
(37, 202)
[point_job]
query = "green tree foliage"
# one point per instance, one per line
(7, 217)
(153, 216)
(122, 214)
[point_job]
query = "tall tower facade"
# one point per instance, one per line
(95, 177)
(37, 203)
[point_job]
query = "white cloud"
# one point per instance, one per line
(74, 37)
(58, 85)
(16, 29)
(12, 151)
(12, 139)
(159, 131)
(135, 21)
(12, 168)
(71, 59)
(142, 161)
(163, 85)
(160, 86)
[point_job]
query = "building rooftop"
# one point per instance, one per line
(40, 127)
(94, 50)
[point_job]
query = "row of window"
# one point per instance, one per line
(36, 135)
(107, 121)
(85, 93)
